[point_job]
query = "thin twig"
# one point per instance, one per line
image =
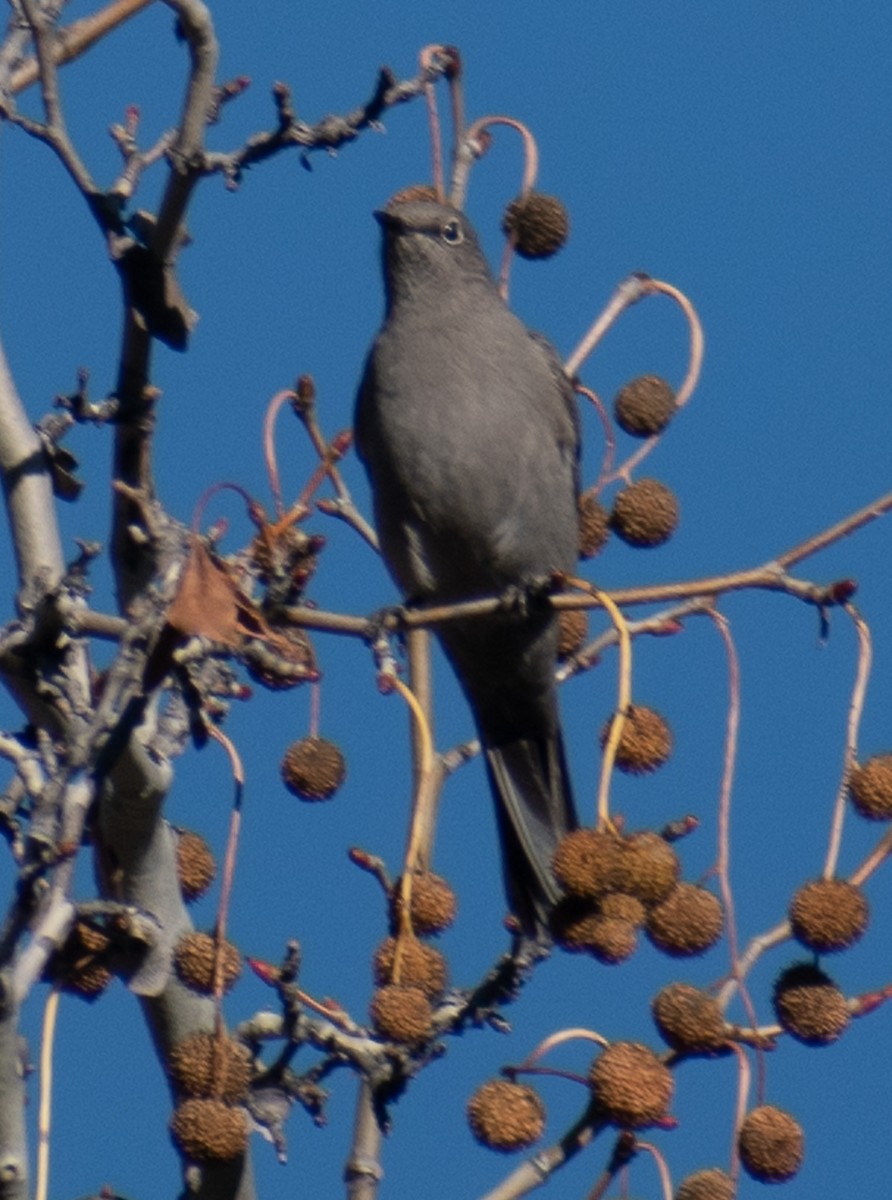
(426, 60)
(235, 824)
(476, 140)
(54, 131)
(75, 39)
(653, 287)
(723, 865)
(632, 289)
(47, 1042)
(856, 708)
(623, 702)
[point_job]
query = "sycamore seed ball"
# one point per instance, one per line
(80, 966)
(612, 939)
(689, 1019)
(88, 981)
(585, 862)
(420, 965)
(196, 868)
(209, 1130)
(506, 1116)
(206, 1065)
(645, 406)
(645, 742)
(870, 787)
(809, 1005)
(585, 927)
(710, 1184)
(193, 959)
(594, 526)
(572, 630)
(687, 922)
(771, 1144)
(621, 904)
(313, 768)
(414, 191)
(433, 904)
(630, 1086)
(647, 868)
(537, 223)
(401, 1013)
(570, 922)
(829, 915)
(645, 513)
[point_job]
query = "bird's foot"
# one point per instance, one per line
(532, 595)
(380, 629)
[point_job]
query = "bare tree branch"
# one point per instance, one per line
(27, 490)
(75, 39)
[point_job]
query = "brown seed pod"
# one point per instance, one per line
(313, 768)
(645, 406)
(648, 867)
(193, 958)
(689, 1019)
(569, 922)
(400, 1013)
(612, 939)
(572, 630)
(829, 915)
(630, 1086)
(88, 981)
(284, 663)
(645, 513)
(645, 742)
(432, 906)
(206, 1065)
(585, 862)
(809, 1005)
(209, 1130)
(688, 921)
(421, 966)
(537, 224)
(506, 1116)
(594, 526)
(196, 868)
(621, 904)
(582, 927)
(771, 1144)
(80, 967)
(870, 787)
(88, 939)
(414, 191)
(710, 1184)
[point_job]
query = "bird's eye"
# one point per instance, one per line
(452, 233)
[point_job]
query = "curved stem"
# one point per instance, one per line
(856, 708)
(46, 1092)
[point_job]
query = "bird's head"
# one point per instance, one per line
(428, 244)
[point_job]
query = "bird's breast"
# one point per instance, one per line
(473, 483)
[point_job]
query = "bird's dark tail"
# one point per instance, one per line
(534, 809)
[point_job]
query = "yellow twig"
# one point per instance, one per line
(420, 801)
(623, 700)
(46, 1088)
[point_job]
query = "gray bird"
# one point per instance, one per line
(468, 429)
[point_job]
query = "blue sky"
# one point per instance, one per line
(740, 152)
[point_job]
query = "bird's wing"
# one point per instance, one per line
(569, 430)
